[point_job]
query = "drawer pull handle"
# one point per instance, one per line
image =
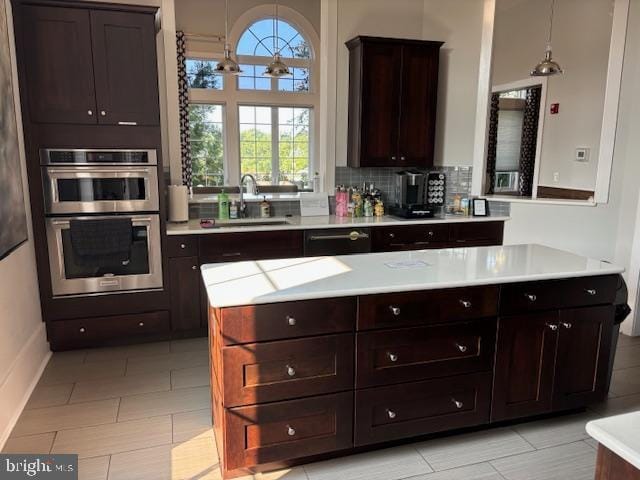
(462, 348)
(82, 330)
(457, 403)
(183, 246)
(392, 235)
(141, 324)
(291, 431)
(552, 326)
(232, 254)
(591, 291)
(291, 371)
(566, 325)
(291, 321)
(394, 310)
(531, 297)
(393, 357)
(465, 303)
(391, 414)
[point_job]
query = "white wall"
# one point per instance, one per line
(581, 37)
(23, 347)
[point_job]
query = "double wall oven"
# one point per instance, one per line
(102, 220)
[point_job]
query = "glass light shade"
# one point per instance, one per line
(277, 68)
(228, 66)
(547, 67)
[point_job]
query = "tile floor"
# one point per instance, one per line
(142, 412)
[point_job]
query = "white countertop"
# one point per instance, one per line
(193, 227)
(620, 434)
(271, 281)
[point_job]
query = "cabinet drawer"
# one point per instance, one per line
(286, 320)
(77, 333)
(182, 246)
(401, 411)
(426, 307)
(282, 431)
(476, 234)
(412, 237)
(551, 294)
(234, 247)
(266, 372)
(403, 355)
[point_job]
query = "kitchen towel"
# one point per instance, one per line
(178, 203)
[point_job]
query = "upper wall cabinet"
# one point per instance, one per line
(393, 86)
(87, 66)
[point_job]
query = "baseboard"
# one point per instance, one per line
(20, 382)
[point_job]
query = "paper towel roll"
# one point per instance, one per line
(178, 203)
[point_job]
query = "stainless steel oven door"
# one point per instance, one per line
(100, 189)
(71, 276)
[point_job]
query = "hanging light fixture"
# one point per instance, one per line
(548, 66)
(277, 68)
(228, 65)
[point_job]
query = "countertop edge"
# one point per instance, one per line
(610, 441)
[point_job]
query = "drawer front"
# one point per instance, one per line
(413, 237)
(287, 320)
(182, 246)
(403, 355)
(476, 234)
(267, 372)
(283, 431)
(233, 247)
(552, 294)
(78, 333)
(402, 411)
(426, 307)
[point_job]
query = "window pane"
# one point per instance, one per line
(259, 40)
(206, 128)
(255, 142)
(251, 78)
(295, 160)
(200, 74)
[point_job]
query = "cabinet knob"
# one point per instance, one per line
(90, 112)
(457, 403)
(566, 325)
(103, 113)
(430, 233)
(391, 414)
(392, 356)
(462, 348)
(392, 235)
(82, 330)
(183, 246)
(291, 371)
(194, 267)
(552, 326)
(591, 291)
(393, 157)
(394, 310)
(141, 324)
(402, 158)
(465, 303)
(291, 321)
(531, 297)
(291, 431)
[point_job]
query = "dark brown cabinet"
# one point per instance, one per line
(551, 361)
(89, 66)
(393, 86)
(184, 275)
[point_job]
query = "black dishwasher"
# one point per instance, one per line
(336, 241)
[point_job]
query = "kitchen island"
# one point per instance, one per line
(323, 355)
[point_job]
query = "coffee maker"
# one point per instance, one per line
(410, 188)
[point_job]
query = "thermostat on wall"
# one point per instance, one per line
(582, 154)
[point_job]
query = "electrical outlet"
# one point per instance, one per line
(556, 177)
(583, 154)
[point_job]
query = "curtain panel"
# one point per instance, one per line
(492, 144)
(183, 97)
(529, 140)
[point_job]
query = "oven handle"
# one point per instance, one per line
(59, 170)
(134, 220)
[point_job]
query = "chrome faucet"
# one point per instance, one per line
(254, 191)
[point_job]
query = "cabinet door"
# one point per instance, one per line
(126, 72)
(185, 293)
(380, 83)
(58, 64)
(525, 357)
(418, 105)
(584, 345)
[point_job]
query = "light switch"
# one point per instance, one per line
(582, 154)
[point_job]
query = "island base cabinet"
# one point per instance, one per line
(268, 435)
(419, 408)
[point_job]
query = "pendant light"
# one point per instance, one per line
(277, 68)
(228, 65)
(547, 67)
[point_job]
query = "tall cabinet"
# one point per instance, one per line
(393, 88)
